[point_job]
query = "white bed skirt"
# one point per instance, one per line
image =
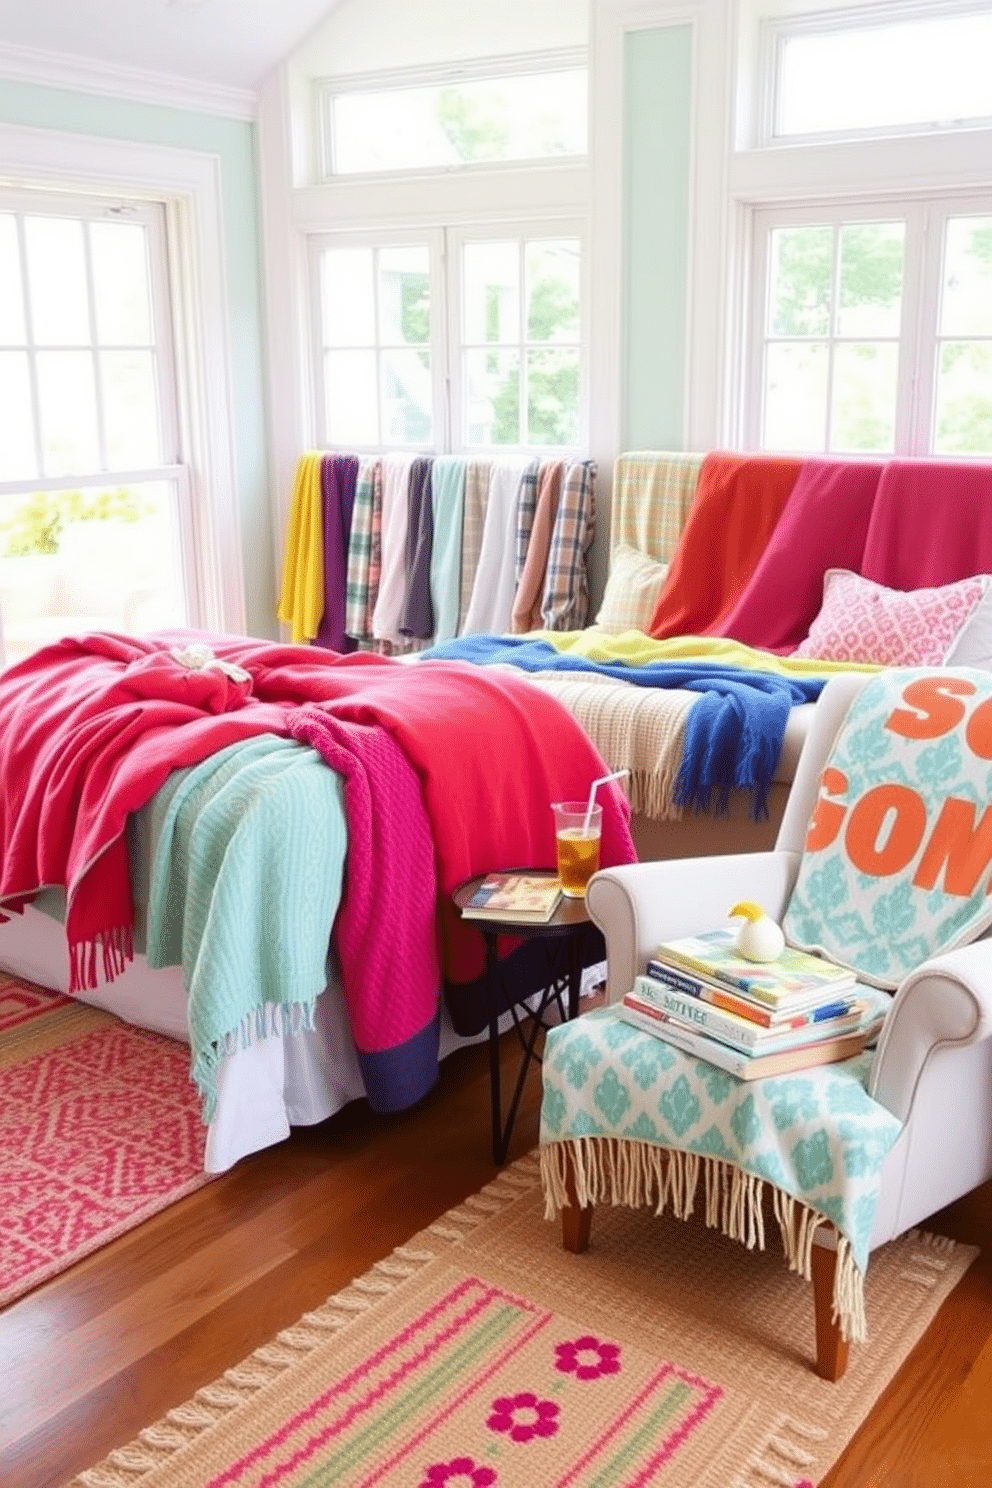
(263, 1090)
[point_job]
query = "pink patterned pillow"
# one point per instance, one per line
(863, 621)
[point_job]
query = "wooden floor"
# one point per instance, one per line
(107, 1347)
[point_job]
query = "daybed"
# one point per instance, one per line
(781, 571)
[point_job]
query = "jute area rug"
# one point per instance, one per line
(482, 1355)
(99, 1128)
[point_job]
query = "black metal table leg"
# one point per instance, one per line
(563, 937)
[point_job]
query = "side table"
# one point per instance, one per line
(562, 937)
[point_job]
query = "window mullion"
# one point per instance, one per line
(917, 352)
(30, 346)
(98, 398)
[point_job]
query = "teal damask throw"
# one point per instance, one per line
(898, 855)
(615, 1099)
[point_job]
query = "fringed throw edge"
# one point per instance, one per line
(642, 1175)
(114, 947)
(267, 1019)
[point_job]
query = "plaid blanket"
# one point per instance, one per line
(565, 605)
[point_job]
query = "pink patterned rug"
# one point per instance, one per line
(480, 1354)
(99, 1128)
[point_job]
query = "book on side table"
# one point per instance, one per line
(523, 897)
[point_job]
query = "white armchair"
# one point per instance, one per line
(933, 1064)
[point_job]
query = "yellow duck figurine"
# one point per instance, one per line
(759, 938)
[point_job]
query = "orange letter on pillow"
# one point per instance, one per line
(826, 819)
(979, 730)
(956, 842)
(935, 698)
(905, 831)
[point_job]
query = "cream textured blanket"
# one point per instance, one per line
(640, 729)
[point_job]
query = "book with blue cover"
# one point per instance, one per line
(655, 999)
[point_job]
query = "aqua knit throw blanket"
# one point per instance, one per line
(245, 855)
(614, 1097)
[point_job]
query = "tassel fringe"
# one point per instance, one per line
(113, 948)
(644, 1175)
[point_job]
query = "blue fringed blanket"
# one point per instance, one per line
(733, 734)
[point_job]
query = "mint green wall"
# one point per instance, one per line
(233, 143)
(656, 122)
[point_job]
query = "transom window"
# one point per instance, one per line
(887, 69)
(483, 113)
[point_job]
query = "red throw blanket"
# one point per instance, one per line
(89, 729)
(491, 757)
(738, 501)
(824, 525)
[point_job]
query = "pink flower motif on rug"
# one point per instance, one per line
(571, 1358)
(523, 1416)
(448, 1474)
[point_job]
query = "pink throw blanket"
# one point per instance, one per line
(385, 930)
(931, 524)
(824, 525)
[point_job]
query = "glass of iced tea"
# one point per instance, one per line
(578, 844)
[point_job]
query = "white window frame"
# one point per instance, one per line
(931, 167)
(480, 69)
(445, 244)
(776, 31)
(433, 240)
(76, 206)
(520, 231)
(926, 218)
(189, 186)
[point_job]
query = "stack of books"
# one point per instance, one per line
(751, 1020)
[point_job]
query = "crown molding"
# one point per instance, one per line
(85, 75)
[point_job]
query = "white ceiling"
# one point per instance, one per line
(220, 43)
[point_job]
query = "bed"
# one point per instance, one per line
(253, 847)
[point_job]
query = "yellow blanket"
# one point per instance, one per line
(301, 602)
(637, 649)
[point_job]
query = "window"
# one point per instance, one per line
(375, 339)
(873, 332)
(450, 119)
(843, 73)
(457, 341)
(93, 506)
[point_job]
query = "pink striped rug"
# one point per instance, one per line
(480, 1354)
(99, 1128)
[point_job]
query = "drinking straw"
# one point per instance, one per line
(617, 774)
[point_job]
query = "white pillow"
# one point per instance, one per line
(861, 621)
(632, 590)
(972, 646)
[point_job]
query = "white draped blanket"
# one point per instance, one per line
(640, 729)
